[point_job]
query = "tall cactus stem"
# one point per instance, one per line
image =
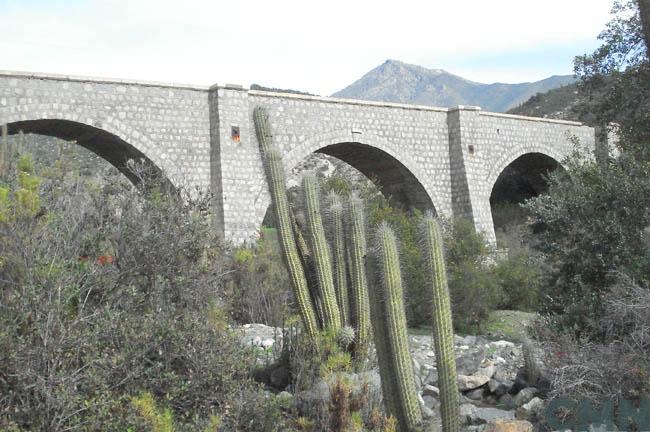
(277, 185)
(359, 305)
(443, 332)
(321, 252)
(408, 411)
(335, 213)
(382, 347)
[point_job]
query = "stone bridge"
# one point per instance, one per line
(443, 159)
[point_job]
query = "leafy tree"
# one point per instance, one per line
(596, 219)
(615, 79)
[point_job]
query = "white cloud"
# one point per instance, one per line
(314, 46)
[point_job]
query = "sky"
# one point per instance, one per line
(318, 47)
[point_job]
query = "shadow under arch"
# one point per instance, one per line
(106, 145)
(393, 178)
(521, 179)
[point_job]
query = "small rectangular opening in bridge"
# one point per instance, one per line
(470, 148)
(234, 133)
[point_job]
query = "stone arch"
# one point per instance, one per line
(504, 161)
(521, 179)
(108, 138)
(340, 144)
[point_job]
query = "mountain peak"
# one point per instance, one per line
(400, 65)
(396, 81)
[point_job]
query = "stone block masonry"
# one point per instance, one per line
(445, 160)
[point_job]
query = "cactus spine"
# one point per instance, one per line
(360, 314)
(321, 252)
(335, 212)
(277, 184)
(393, 329)
(443, 333)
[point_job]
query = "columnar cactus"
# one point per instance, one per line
(321, 252)
(277, 185)
(360, 308)
(391, 333)
(443, 332)
(335, 213)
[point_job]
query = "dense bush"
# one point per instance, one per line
(110, 292)
(472, 285)
(617, 366)
(594, 226)
(258, 289)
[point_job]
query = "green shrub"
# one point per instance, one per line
(593, 227)
(473, 288)
(520, 280)
(258, 289)
(111, 292)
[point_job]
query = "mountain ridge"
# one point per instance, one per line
(396, 81)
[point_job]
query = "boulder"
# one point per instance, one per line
(508, 426)
(485, 415)
(471, 414)
(532, 411)
(470, 382)
(475, 394)
(499, 388)
(429, 390)
(432, 377)
(507, 401)
(430, 402)
(525, 396)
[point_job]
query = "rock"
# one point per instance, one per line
(507, 401)
(430, 402)
(428, 413)
(467, 414)
(533, 410)
(469, 361)
(267, 343)
(470, 382)
(509, 426)
(487, 369)
(525, 395)
(499, 388)
(429, 390)
(470, 414)
(503, 344)
(475, 394)
(485, 415)
(432, 377)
